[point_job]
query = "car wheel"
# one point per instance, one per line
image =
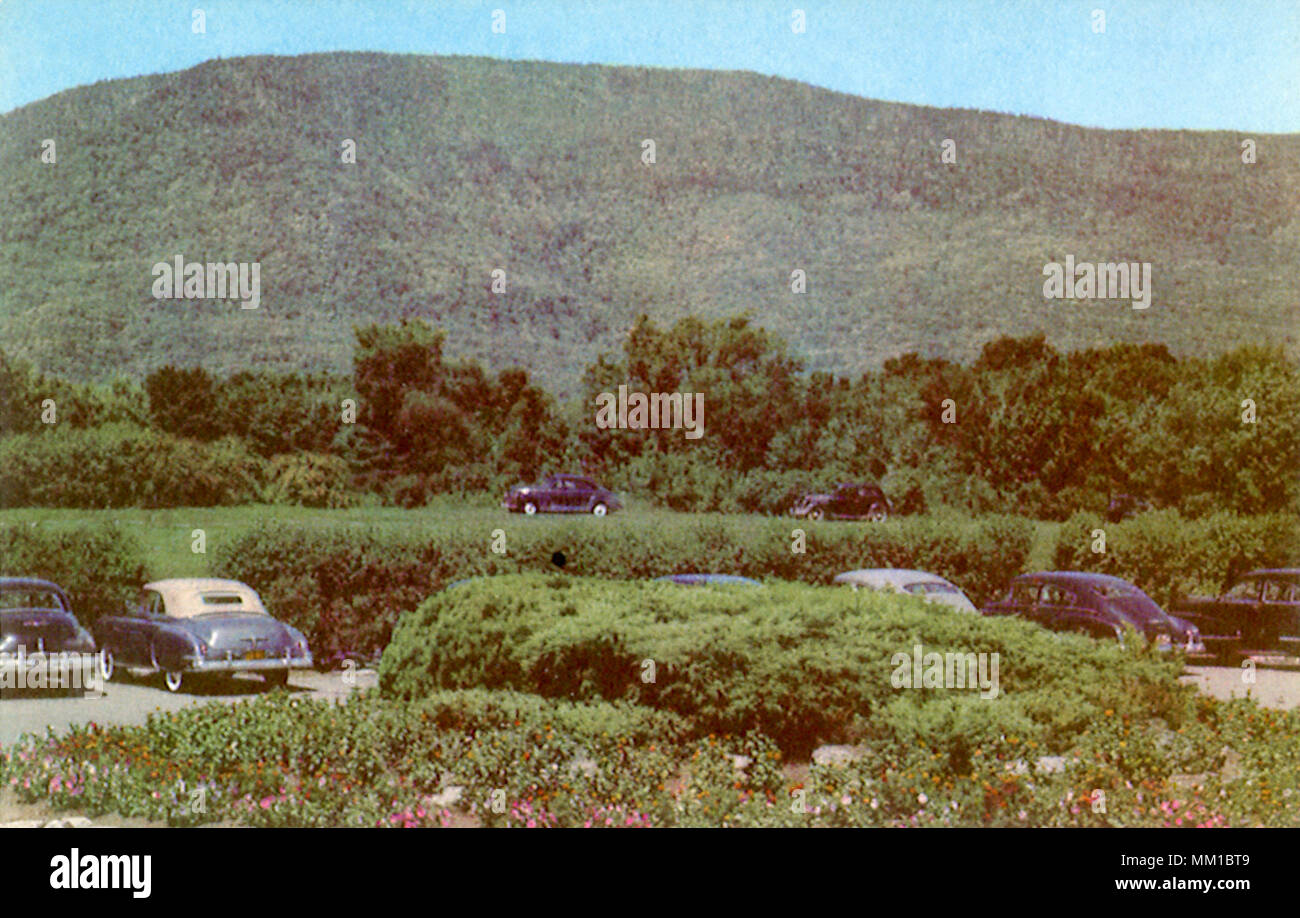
(877, 513)
(530, 508)
(107, 665)
(276, 678)
(599, 510)
(173, 680)
(816, 513)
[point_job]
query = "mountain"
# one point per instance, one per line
(467, 165)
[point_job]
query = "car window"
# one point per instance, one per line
(31, 599)
(1024, 594)
(1246, 589)
(1275, 590)
(1054, 595)
(929, 587)
(150, 603)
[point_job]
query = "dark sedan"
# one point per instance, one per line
(562, 494)
(190, 627)
(846, 502)
(1259, 614)
(36, 621)
(1097, 605)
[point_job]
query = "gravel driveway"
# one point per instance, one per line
(130, 701)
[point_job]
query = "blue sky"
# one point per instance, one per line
(1225, 64)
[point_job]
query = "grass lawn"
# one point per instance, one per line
(167, 534)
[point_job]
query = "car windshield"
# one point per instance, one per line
(29, 598)
(930, 586)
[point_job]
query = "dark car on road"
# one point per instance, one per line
(1097, 605)
(562, 494)
(1259, 614)
(848, 501)
(36, 620)
(189, 627)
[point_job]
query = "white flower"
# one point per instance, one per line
(922, 799)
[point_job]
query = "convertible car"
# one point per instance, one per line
(1259, 614)
(846, 502)
(1097, 605)
(561, 494)
(930, 587)
(190, 627)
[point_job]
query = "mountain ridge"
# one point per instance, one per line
(469, 165)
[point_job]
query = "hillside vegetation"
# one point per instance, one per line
(467, 165)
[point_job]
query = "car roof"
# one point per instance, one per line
(1078, 578)
(897, 576)
(180, 591)
(693, 579)
(29, 583)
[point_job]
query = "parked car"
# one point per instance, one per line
(1259, 614)
(930, 587)
(36, 617)
(562, 494)
(847, 501)
(1098, 605)
(192, 626)
(707, 580)
(1125, 506)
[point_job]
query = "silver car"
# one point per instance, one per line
(930, 587)
(194, 626)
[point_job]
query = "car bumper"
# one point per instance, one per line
(247, 666)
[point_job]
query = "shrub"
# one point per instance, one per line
(120, 465)
(1170, 557)
(309, 480)
(345, 586)
(99, 566)
(803, 665)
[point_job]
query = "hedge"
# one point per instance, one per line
(98, 565)
(802, 665)
(1170, 557)
(120, 465)
(345, 585)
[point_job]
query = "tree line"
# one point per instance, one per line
(1024, 428)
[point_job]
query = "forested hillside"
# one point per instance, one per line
(467, 165)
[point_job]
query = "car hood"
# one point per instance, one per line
(1145, 614)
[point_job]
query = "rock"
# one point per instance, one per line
(22, 824)
(69, 822)
(449, 797)
(740, 763)
(584, 765)
(1189, 782)
(1050, 764)
(838, 755)
(1018, 767)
